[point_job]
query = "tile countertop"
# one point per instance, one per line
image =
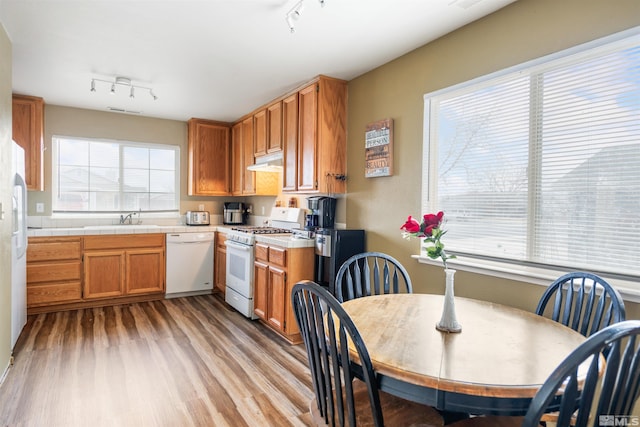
(117, 229)
(284, 241)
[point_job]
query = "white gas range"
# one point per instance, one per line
(240, 254)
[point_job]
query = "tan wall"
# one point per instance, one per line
(99, 124)
(6, 189)
(525, 30)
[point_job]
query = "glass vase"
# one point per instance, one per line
(448, 321)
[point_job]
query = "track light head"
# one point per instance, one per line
(290, 23)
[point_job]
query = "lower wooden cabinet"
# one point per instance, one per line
(276, 271)
(123, 265)
(54, 270)
(81, 271)
(220, 261)
(103, 274)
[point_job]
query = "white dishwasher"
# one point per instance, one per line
(189, 264)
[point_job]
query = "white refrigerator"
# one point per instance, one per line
(18, 245)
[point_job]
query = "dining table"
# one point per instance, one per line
(494, 366)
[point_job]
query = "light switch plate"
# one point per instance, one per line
(40, 207)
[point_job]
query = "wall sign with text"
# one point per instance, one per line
(378, 149)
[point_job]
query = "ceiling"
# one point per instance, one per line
(215, 59)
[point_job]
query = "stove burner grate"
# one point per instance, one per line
(262, 230)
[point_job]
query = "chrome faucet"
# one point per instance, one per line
(127, 219)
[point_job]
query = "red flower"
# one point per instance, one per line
(411, 226)
(432, 232)
(431, 221)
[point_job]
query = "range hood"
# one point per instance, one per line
(268, 163)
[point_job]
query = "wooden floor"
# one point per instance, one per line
(179, 362)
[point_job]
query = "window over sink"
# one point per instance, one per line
(108, 176)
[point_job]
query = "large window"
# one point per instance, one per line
(540, 164)
(100, 176)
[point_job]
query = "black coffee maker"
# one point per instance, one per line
(323, 212)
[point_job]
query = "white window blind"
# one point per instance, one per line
(92, 175)
(541, 164)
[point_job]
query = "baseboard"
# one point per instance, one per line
(6, 370)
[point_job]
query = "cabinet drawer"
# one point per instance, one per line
(56, 293)
(53, 272)
(278, 256)
(262, 252)
(123, 241)
(53, 249)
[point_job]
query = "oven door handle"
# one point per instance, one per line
(239, 246)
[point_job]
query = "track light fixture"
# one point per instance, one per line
(295, 13)
(122, 81)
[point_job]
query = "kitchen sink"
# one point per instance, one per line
(118, 226)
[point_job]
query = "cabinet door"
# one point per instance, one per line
(277, 298)
(260, 132)
(28, 127)
(274, 127)
(145, 271)
(236, 159)
(103, 274)
(290, 143)
(261, 289)
(208, 158)
(248, 177)
(220, 261)
(307, 144)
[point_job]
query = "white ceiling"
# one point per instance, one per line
(216, 59)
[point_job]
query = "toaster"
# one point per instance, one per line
(197, 218)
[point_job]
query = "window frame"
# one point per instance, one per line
(121, 143)
(523, 271)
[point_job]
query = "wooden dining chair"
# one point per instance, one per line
(371, 273)
(582, 301)
(610, 390)
(341, 398)
(585, 390)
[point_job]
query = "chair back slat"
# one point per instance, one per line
(371, 273)
(600, 377)
(582, 301)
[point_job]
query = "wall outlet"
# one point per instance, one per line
(201, 207)
(40, 207)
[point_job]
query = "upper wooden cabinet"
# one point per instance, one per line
(309, 125)
(260, 133)
(267, 129)
(208, 146)
(243, 181)
(274, 127)
(316, 160)
(28, 128)
(290, 142)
